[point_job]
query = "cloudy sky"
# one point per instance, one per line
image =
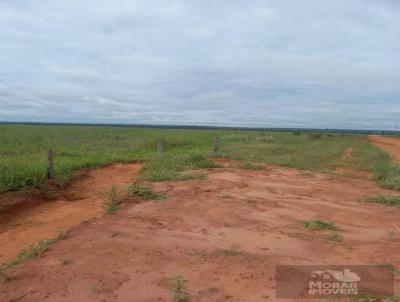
(286, 63)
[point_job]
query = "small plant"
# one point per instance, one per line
(319, 225)
(145, 193)
(250, 166)
(334, 237)
(181, 294)
(112, 201)
(384, 199)
(388, 175)
(232, 251)
(34, 251)
(296, 133)
(60, 235)
(391, 235)
(391, 268)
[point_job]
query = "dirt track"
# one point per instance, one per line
(390, 144)
(132, 255)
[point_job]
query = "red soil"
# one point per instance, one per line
(390, 144)
(132, 255)
(37, 215)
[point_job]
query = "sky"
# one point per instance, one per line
(286, 63)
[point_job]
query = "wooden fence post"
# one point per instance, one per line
(160, 148)
(249, 139)
(50, 164)
(216, 146)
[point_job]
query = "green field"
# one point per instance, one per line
(23, 151)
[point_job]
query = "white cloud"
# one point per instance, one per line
(267, 63)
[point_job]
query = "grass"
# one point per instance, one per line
(319, 225)
(230, 252)
(180, 293)
(384, 199)
(250, 166)
(112, 200)
(391, 268)
(145, 193)
(77, 147)
(172, 167)
(34, 251)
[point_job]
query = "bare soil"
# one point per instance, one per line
(28, 217)
(225, 234)
(390, 144)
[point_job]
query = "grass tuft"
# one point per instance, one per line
(391, 268)
(319, 225)
(250, 166)
(388, 174)
(145, 193)
(34, 251)
(180, 293)
(384, 199)
(112, 200)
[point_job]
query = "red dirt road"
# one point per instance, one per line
(132, 255)
(389, 144)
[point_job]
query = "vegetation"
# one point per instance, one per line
(232, 251)
(391, 268)
(319, 225)
(23, 151)
(145, 193)
(180, 293)
(172, 167)
(112, 200)
(34, 251)
(250, 166)
(384, 199)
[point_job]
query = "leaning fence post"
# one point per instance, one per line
(160, 148)
(216, 146)
(50, 164)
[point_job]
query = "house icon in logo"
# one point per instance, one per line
(331, 275)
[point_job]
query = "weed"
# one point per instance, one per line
(181, 294)
(391, 268)
(319, 225)
(112, 200)
(384, 199)
(93, 287)
(145, 193)
(232, 251)
(334, 237)
(387, 174)
(250, 166)
(60, 235)
(391, 235)
(34, 251)
(372, 297)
